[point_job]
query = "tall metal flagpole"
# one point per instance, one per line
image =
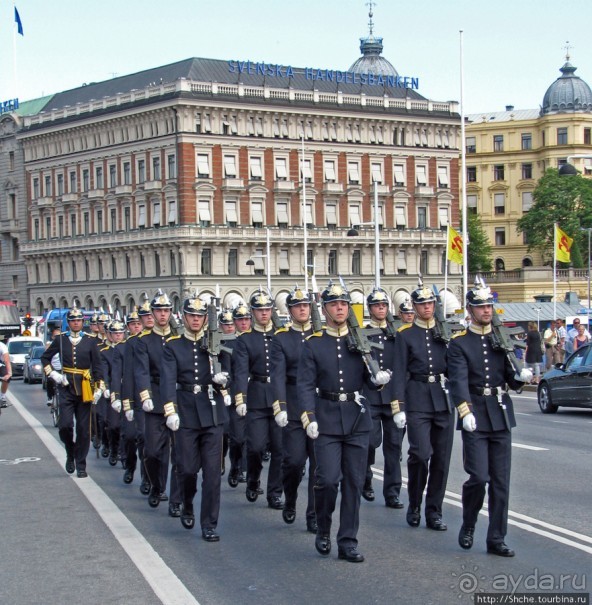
(554, 271)
(446, 267)
(465, 236)
(304, 227)
(268, 259)
(376, 239)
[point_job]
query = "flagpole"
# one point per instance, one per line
(446, 266)
(463, 156)
(304, 226)
(14, 71)
(554, 271)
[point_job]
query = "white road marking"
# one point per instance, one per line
(522, 414)
(534, 448)
(560, 421)
(165, 584)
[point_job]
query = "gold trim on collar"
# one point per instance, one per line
(339, 331)
(263, 328)
(422, 323)
(378, 324)
(480, 330)
(298, 327)
(193, 336)
(162, 331)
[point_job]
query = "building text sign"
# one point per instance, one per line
(8, 106)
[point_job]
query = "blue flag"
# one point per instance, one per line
(19, 23)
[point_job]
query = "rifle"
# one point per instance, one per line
(442, 331)
(501, 340)
(315, 315)
(275, 318)
(357, 339)
(175, 325)
(392, 325)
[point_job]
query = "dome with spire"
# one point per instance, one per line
(371, 61)
(569, 93)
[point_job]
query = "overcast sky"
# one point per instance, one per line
(513, 49)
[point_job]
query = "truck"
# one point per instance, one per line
(10, 321)
(56, 318)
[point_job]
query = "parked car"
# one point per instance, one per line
(18, 348)
(33, 370)
(568, 384)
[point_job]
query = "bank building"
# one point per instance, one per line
(213, 172)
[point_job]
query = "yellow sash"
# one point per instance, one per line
(87, 392)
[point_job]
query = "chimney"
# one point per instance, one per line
(509, 108)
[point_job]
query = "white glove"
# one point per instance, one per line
(241, 409)
(524, 376)
(65, 381)
(56, 377)
(172, 422)
(469, 423)
(116, 405)
(107, 394)
(382, 377)
(147, 405)
(400, 420)
(96, 396)
(281, 419)
(312, 430)
(227, 400)
(130, 415)
(220, 378)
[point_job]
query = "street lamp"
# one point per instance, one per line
(353, 232)
(251, 262)
(538, 312)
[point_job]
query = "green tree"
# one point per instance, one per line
(565, 200)
(479, 250)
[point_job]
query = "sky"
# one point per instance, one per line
(512, 49)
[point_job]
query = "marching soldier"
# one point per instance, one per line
(406, 311)
(286, 347)
(226, 326)
(419, 395)
(250, 366)
(157, 427)
(81, 365)
(380, 408)
(195, 409)
(331, 379)
(479, 378)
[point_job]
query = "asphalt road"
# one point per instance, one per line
(96, 541)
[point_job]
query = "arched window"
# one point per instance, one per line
(499, 264)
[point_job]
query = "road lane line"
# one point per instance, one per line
(522, 414)
(165, 584)
(534, 448)
(560, 421)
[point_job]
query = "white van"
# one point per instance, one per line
(18, 347)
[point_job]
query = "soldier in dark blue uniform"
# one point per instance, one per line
(81, 366)
(380, 408)
(479, 379)
(406, 311)
(251, 378)
(297, 448)
(157, 425)
(420, 398)
(331, 380)
(226, 326)
(189, 390)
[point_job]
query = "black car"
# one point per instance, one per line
(568, 384)
(33, 369)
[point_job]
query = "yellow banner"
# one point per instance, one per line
(455, 246)
(562, 246)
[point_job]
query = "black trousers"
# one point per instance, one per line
(430, 436)
(200, 450)
(340, 459)
(385, 432)
(261, 432)
(157, 453)
(237, 441)
(133, 441)
(487, 458)
(297, 448)
(112, 426)
(74, 414)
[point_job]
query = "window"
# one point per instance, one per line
(230, 213)
(499, 203)
(526, 140)
(354, 215)
(443, 217)
(562, 136)
(47, 186)
(443, 177)
(377, 173)
(471, 174)
(255, 168)
(229, 166)
(470, 144)
(282, 214)
(112, 176)
(353, 173)
(36, 229)
(284, 263)
(281, 170)
(47, 227)
(74, 276)
(72, 182)
(35, 188)
(587, 136)
(498, 172)
(498, 142)
(500, 236)
(141, 216)
(356, 267)
(127, 173)
(257, 214)
(172, 217)
(331, 216)
(11, 160)
(527, 171)
(60, 226)
(260, 262)
(380, 218)
(330, 176)
(526, 201)
(203, 166)
(141, 171)
(472, 204)
(400, 219)
(128, 266)
(204, 218)
(99, 222)
(86, 220)
(156, 214)
(114, 268)
(156, 176)
(423, 263)
(72, 225)
(332, 263)
(499, 264)
(421, 175)
(308, 215)
(233, 261)
(206, 261)
(422, 217)
(60, 184)
(127, 216)
(113, 219)
(306, 171)
(399, 175)
(401, 262)
(172, 166)
(99, 178)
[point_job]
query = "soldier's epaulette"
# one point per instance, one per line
(173, 337)
(144, 333)
(246, 331)
(282, 329)
(105, 348)
(463, 333)
(314, 334)
(405, 327)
